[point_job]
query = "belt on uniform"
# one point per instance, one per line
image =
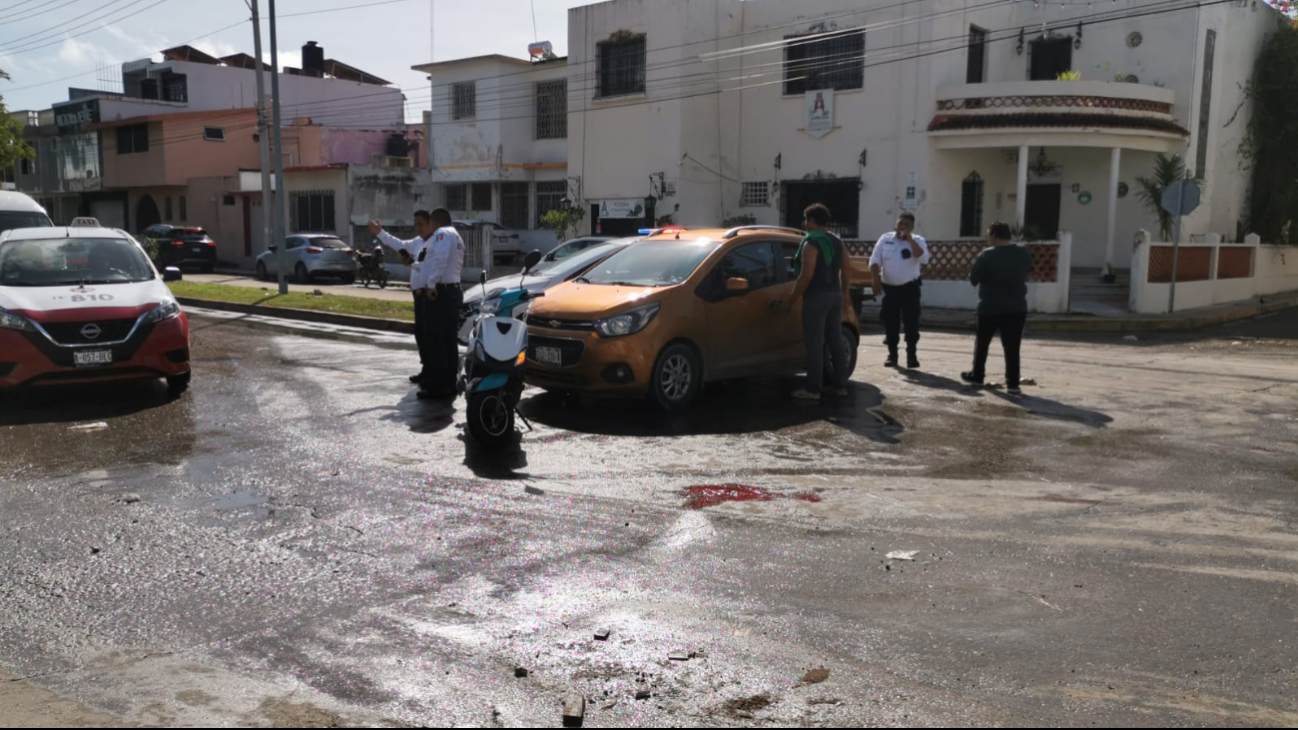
(447, 286)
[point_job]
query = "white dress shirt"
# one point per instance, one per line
(445, 257)
(899, 264)
(418, 250)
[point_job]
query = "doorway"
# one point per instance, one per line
(146, 214)
(1042, 216)
(842, 197)
(1050, 58)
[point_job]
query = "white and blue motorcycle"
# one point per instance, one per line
(496, 360)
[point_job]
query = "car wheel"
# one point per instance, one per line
(677, 377)
(302, 275)
(350, 279)
(262, 274)
(177, 385)
(851, 343)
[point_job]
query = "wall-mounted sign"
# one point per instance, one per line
(820, 113)
(632, 208)
(73, 117)
(1084, 198)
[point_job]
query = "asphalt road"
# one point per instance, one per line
(299, 542)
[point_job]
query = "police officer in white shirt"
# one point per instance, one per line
(896, 264)
(443, 271)
(416, 250)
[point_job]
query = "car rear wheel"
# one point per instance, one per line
(677, 377)
(302, 275)
(262, 274)
(851, 343)
(177, 385)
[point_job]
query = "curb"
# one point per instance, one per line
(305, 315)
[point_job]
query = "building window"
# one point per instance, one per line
(971, 206)
(214, 134)
(549, 196)
(755, 195)
(184, 209)
(313, 211)
(552, 110)
(831, 61)
(133, 139)
(227, 200)
(175, 88)
(481, 196)
(513, 205)
(1051, 57)
(25, 166)
(457, 197)
(621, 66)
(167, 207)
(977, 71)
(464, 100)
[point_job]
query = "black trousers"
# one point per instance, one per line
(822, 327)
(421, 334)
(1010, 327)
(442, 315)
(901, 304)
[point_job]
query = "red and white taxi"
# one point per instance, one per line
(85, 304)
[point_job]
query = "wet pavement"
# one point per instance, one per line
(299, 542)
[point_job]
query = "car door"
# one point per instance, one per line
(793, 343)
(744, 326)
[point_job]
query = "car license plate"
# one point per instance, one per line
(549, 356)
(92, 358)
(197, 249)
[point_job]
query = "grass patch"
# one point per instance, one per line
(336, 304)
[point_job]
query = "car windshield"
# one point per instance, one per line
(72, 261)
(652, 263)
(569, 265)
(11, 219)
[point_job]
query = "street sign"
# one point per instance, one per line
(1182, 197)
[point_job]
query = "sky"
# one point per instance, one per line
(44, 41)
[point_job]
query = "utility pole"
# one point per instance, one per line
(281, 195)
(263, 129)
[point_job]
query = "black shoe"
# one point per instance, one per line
(971, 379)
(1015, 391)
(891, 362)
(912, 361)
(417, 378)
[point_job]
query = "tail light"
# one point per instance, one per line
(178, 243)
(210, 243)
(313, 249)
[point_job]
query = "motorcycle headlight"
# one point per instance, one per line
(627, 323)
(9, 321)
(167, 311)
(491, 306)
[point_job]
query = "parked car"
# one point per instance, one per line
(310, 255)
(669, 314)
(182, 246)
(21, 211)
(546, 275)
(84, 305)
(575, 245)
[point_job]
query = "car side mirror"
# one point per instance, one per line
(531, 261)
(172, 273)
(736, 285)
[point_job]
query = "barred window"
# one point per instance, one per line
(552, 110)
(464, 100)
(755, 195)
(457, 197)
(549, 196)
(313, 211)
(481, 196)
(622, 67)
(133, 139)
(971, 206)
(513, 205)
(830, 61)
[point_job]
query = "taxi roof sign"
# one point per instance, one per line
(85, 222)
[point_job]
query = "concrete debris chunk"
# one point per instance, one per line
(574, 710)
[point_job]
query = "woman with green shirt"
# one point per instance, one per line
(824, 289)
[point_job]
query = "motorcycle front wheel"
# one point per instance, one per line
(383, 279)
(491, 419)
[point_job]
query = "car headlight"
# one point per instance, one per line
(167, 311)
(627, 323)
(9, 321)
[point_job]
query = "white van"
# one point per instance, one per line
(20, 211)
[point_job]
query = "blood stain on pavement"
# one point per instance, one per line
(711, 495)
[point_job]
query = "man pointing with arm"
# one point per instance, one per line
(416, 249)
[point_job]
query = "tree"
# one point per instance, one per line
(1272, 143)
(564, 221)
(1167, 170)
(12, 146)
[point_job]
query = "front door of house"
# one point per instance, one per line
(1050, 58)
(1042, 217)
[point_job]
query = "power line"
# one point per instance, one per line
(36, 12)
(43, 44)
(57, 29)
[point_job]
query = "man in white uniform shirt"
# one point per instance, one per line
(896, 264)
(415, 251)
(443, 271)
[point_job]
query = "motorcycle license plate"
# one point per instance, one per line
(92, 358)
(549, 356)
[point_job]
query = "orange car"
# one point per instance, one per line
(677, 310)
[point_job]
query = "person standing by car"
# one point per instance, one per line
(414, 251)
(822, 285)
(1001, 275)
(896, 264)
(443, 271)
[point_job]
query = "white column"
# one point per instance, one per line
(1021, 202)
(1115, 168)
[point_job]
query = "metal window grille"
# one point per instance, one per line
(755, 195)
(457, 197)
(831, 62)
(464, 100)
(622, 67)
(513, 205)
(313, 211)
(175, 88)
(971, 206)
(549, 196)
(132, 139)
(552, 110)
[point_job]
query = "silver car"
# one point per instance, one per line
(310, 255)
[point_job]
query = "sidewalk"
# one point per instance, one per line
(397, 291)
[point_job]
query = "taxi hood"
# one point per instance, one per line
(75, 303)
(574, 300)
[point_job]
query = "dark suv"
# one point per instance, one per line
(182, 246)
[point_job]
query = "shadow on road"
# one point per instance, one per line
(76, 403)
(939, 382)
(1056, 411)
(420, 416)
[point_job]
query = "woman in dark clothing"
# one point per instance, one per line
(1001, 275)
